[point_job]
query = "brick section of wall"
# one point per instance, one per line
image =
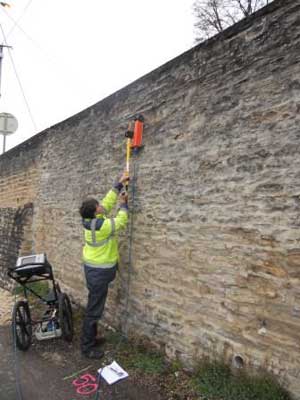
(215, 246)
(19, 188)
(19, 174)
(15, 238)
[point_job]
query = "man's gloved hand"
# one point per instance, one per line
(124, 177)
(123, 198)
(120, 181)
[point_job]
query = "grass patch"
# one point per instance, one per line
(136, 354)
(150, 363)
(175, 366)
(216, 381)
(114, 338)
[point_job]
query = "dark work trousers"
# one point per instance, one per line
(97, 281)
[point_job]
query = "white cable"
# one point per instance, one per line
(15, 354)
(16, 22)
(19, 81)
(44, 53)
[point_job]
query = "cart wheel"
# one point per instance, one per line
(65, 316)
(21, 325)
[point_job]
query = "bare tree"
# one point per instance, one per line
(213, 16)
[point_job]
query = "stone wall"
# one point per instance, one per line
(215, 245)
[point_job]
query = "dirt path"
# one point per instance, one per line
(49, 368)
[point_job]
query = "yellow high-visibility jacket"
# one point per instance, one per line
(100, 234)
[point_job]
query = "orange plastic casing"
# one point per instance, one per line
(137, 134)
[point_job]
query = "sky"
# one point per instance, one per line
(68, 55)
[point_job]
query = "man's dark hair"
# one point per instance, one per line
(88, 208)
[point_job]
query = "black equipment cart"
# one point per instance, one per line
(56, 321)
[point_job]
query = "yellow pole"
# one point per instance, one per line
(128, 153)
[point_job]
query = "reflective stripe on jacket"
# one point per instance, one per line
(100, 234)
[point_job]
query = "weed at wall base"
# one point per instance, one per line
(216, 381)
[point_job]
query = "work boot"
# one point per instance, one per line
(93, 354)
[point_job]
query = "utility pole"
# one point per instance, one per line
(1, 58)
(8, 123)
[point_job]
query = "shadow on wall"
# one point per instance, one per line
(15, 238)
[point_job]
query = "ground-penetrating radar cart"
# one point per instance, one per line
(56, 320)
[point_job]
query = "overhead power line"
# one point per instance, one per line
(19, 81)
(17, 25)
(16, 22)
(44, 53)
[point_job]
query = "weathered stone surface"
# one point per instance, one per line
(216, 242)
(15, 238)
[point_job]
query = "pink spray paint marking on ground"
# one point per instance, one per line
(86, 384)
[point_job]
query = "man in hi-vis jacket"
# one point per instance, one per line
(100, 258)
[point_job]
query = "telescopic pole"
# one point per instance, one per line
(129, 135)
